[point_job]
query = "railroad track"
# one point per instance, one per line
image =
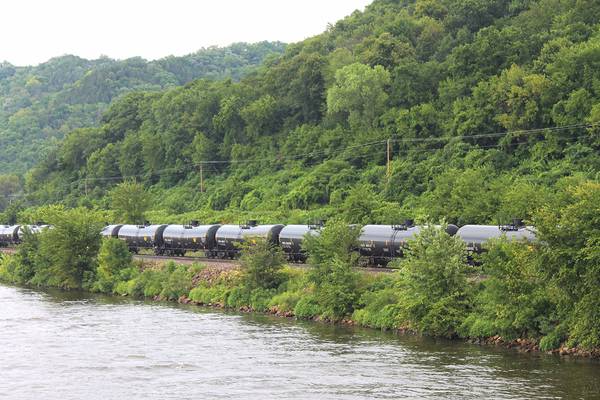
(235, 263)
(222, 263)
(7, 250)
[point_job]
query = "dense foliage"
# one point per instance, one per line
(40, 104)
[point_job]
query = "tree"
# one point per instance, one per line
(261, 265)
(113, 258)
(10, 185)
(261, 117)
(203, 148)
(359, 93)
(514, 301)
(67, 252)
(332, 259)
(569, 237)
(434, 294)
(130, 201)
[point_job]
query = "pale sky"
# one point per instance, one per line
(33, 31)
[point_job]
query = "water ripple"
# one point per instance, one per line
(70, 346)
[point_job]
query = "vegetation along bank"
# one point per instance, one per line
(538, 296)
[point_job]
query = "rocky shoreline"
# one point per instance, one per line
(519, 345)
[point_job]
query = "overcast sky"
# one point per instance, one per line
(33, 31)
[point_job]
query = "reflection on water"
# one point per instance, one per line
(59, 345)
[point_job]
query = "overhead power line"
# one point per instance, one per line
(293, 157)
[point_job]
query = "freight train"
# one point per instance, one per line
(377, 244)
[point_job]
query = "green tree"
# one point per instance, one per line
(23, 265)
(113, 258)
(359, 93)
(10, 186)
(67, 256)
(569, 236)
(434, 292)
(130, 201)
(261, 117)
(332, 259)
(515, 301)
(261, 265)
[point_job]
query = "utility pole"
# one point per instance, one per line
(202, 177)
(389, 159)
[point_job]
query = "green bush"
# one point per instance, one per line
(260, 299)
(177, 283)
(238, 297)
(307, 308)
(113, 258)
(433, 289)
(67, 253)
(514, 300)
(378, 309)
(332, 259)
(262, 263)
(337, 295)
(286, 301)
(210, 295)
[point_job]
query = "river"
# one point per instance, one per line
(58, 345)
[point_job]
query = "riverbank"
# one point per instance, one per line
(433, 293)
(521, 345)
(211, 285)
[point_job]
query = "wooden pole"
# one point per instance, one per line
(389, 159)
(201, 177)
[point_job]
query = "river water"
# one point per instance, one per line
(57, 345)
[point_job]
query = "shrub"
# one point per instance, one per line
(332, 260)
(307, 308)
(261, 265)
(336, 296)
(434, 294)
(67, 253)
(379, 309)
(286, 301)
(514, 300)
(209, 295)
(113, 258)
(177, 283)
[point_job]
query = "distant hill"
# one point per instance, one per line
(39, 105)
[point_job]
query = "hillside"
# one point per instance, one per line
(39, 105)
(469, 92)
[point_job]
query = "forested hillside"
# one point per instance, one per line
(491, 106)
(39, 105)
